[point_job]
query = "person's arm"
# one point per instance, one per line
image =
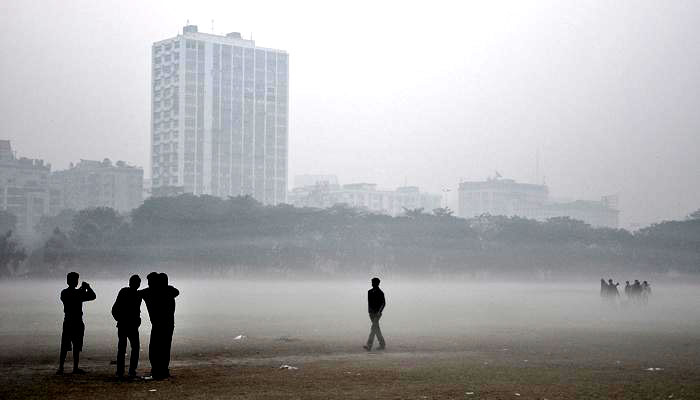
(173, 291)
(116, 308)
(89, 294)
(381, 308)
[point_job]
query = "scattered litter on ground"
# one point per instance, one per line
(469, 393)
(654, 369)
(285, 366)
(287, 339)
(147, 378)
(152, 390)
(525, 360)
(517, 394)
(240, 337)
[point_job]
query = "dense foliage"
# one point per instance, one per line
(239, 235)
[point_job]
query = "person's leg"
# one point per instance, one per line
(378, 332)
(372, 333)
(65, 347)
(135, 348)
(76, 361)
(121, 350)
(153, 350)
(167, 344)
(78, 334)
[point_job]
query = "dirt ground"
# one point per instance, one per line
(560, 365)
(445, 341)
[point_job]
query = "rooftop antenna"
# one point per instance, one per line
(212, 26)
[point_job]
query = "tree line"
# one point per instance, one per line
(199, 234)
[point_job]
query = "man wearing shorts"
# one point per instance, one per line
(73, 326)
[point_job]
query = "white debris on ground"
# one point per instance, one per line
(469, 393)
(152, 390)
(654, 369)
(517, 394)
(285, 366)
(240, 337)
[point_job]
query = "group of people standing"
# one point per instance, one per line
(159, 297)
(638, 292)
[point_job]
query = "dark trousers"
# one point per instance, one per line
(130, 333)
(159, 350)
(375, 331)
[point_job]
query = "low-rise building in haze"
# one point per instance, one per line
(99, 184)
(24, 188)
(510, 198)
(312, 180)
(365, 196)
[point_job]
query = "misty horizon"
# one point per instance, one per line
(602, 92)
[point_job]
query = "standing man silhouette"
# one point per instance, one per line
(73, 326)
(160, 302)
(169, 295)
(127, 312)
(375, 305)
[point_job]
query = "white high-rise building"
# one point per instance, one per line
(219, 122)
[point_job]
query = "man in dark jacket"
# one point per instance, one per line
(375, 305)
(127, 312)
(73, 326)
(160, 302)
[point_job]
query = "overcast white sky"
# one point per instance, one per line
(390, 92)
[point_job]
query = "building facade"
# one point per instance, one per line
(219, 124)
(98, 184)
(24, 188)
(510, 198)
(364, 196)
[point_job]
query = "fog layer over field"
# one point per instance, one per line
(214, 312)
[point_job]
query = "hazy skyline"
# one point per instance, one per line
(422, 93)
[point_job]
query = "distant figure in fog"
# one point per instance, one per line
(628, 289)
(160, 302)
(375, 305)
(612, 288)
(646, 292)
(73, 326)
(636, 288)
(603, 288)
(127, 312)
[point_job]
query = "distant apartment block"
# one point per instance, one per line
(510, 198)
(99, 184)
(313, 180)
(219, 123)
(24, 188)
(365, 196)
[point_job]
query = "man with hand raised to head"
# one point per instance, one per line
(72, 298)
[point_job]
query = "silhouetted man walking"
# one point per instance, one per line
(127, 312)
(160, 302)
(73, 326)
(375, 305)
